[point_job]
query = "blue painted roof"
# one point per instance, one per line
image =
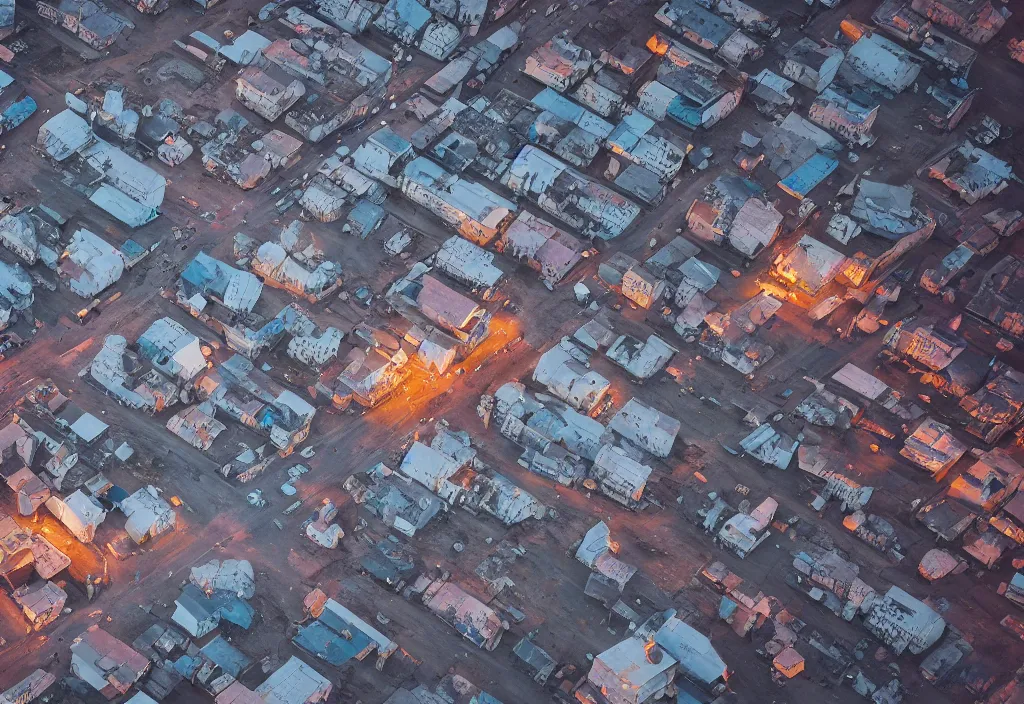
(329, 645)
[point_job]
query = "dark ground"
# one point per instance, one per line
(663, 541)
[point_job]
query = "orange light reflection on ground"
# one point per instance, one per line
(423, 386)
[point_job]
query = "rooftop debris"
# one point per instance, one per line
(477, 623)
(337, 635)
(641, 141)
(970, 171)
(690, 89)
(29, 689)
(108, 176)
(770, 446)
(236, 150)
(731, 210)
(535, 660)
(882, 62)
(649, 660)
(938, 563)
(105, 663)
(471, 209)
(744, 15)
(997, 299)
(899, 19)
(479, 61)
(232, 575)
(448, 468)
(888, 211)
(642, 359)
(428, 302)
(597, 551)
(829, 570)
(876, 531)
(549, 250)
(841, 115)
(468, 263)
(92, 22)
(978, 22)
(568, 195)
(148, 514)
(811, 64)
(731, 338)
(399, 502)
(200, 611)
(295, 681)
(646, 427)
(639, 286)
(558, 64)
(278, 264)
(809, 265)
(630, 667)
(41, 603)
(744, 532)
(455, 688)
(902, 622)
(31, 236)
(943, 660)
(933, 448)
(948, 363)
(771, 93)
(564, 370)
(270, 410)
(556, 440)
(688, 19)
(997, 407)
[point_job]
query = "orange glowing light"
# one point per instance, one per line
(853, 29)
(657, 46)
(789, 276)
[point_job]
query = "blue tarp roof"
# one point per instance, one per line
(327, 644)
(813, 171)
(132, 249)
(234, 610)
(116, 495)
(228, 657)
(230, 607)
(205, 274)
(685, 112)
(187, 665)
